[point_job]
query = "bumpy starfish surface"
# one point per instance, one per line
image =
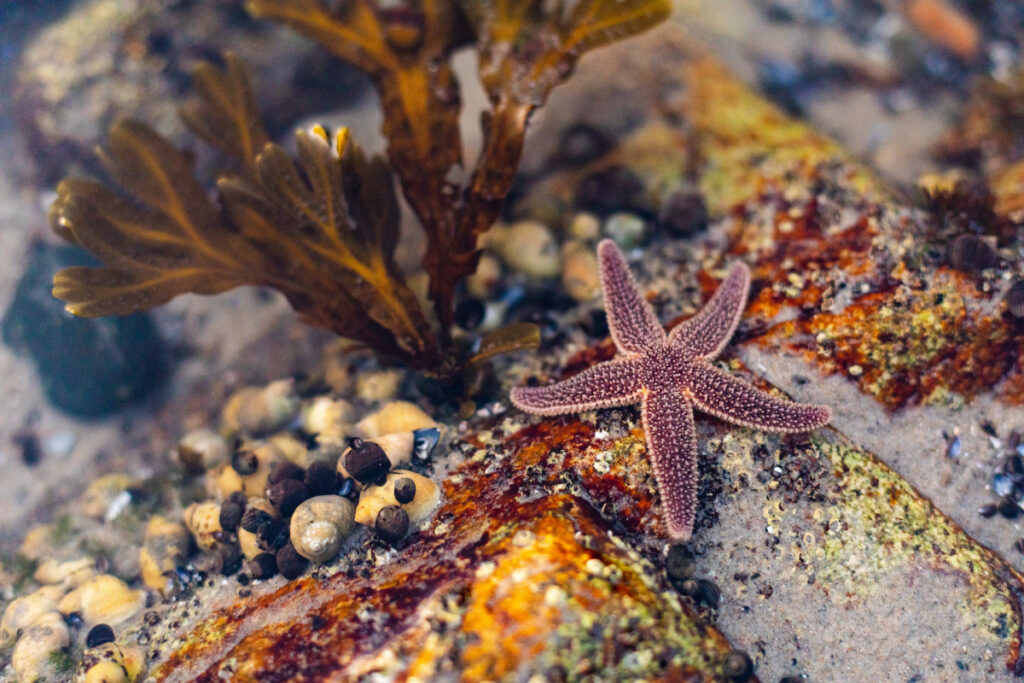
(670, 375)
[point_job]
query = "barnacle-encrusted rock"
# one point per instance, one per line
(320, 524)
(110, 663)
(104, 599)
(164, 546)
(397, 416)
(33, 653)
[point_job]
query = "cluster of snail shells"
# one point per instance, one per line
(36, 622)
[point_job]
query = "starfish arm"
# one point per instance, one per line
(672, 448)
(722, 395)
(706, 333)
(631, 321)
(612, 383)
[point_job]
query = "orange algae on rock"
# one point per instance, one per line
(519, 567)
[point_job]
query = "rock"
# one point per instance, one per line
(118, 360)
(108, 59)
(580, 276)
(626, 229)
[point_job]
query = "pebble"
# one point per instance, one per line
(484, 281)
(397, 416)
(625, 229)
(1002, 485)
(987, 510)
(261, 410)
(580, 276)
(381, 385)
(585, 226)
(320, 524)
(683, 214)
(1008, 508)
(103, 599)
(202, 449)
(327, 416)
(32, 653)
(527, 247)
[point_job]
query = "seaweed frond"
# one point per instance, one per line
(322, 230)
(526, 48)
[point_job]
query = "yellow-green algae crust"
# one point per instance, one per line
(750, 146)
(880, 523)
(869, 523)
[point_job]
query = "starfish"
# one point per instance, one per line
(670, 375)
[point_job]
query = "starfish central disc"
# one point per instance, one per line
(670, 375)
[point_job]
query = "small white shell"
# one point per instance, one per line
(320, 524)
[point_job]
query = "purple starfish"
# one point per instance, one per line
(670, 375)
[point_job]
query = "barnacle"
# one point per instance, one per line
(322, 229)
